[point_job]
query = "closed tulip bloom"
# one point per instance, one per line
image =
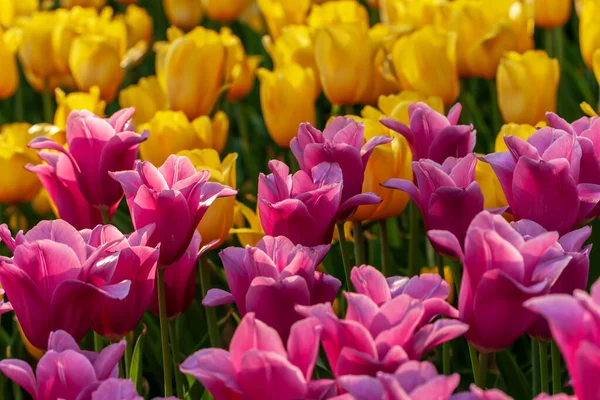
(75, 101)
(287, 100)
(225, 10)
(82, 3)
(217, 221)
(13, 9)
(522, 131)
(415, 56)
(502, 270)
(239, 68)
(184, 14)
(280, 13)
(398, 106)
(8, 66)
(596, 65)
(493, 195)
(175, 189)
(51, 267)
(287, 276)
(411, 13)
(246, 225)
(475, 393)
(589, 31)
(139, 25)
(552, 13)
(146, 96)
(527, 85)
(338, 12)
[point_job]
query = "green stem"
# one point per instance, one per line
(474, 364)
(544, 378)
(359, 244)
(430, 254)
(556, 366)
(47, 105)
(482, 370)
(558, 44)
(242, 126)
(455, 266)
(413, 268)
(336, 110)
(164, 331)
(105, 215)
(496, 118)
(549, 42)
(446, 358)
(211, 314)
(345, 255)
(129, 339)
(19, 114)
(535, 365)
(175, 347)
(98, 345)
(386, 264)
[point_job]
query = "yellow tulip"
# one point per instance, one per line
(493, 195)
(12, 9)
(253, 18)
(240, 69)
(213, 132)
(279, 13)
(31, 349)
(77, 101)
(396, 105)
(146, 96)
(76, 22)
(338, 12)
(139, 25)
(425, 62)
(8, 66)
(218, 220)
(225, 10)
(184, 14)
(527, 85)
(286, 100)
(246, 235)
(82, 3)
(42, 204)
(589, 30)
(596, 65)
(193, 70)
(447, 277)
(552, 13)
(522, 131)
(411, 13)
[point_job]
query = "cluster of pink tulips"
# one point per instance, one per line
(298, 336)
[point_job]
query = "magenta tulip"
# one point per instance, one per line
(502, 270)
(271, 278)
(476, 393)
(52, 265)
(97, 147)
(341, 142)
(175, 197)
(305, 207)
(258, 366)
(447, 194)
(433, 136)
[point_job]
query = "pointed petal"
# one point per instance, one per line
(217, 297)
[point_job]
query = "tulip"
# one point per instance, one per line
(589, 31)
(338, 12)
(97, 147)
(184, 14)
(225, 10)
(596, 65)
(415, 56)
(217, 221)
(522, 131)
(552, 13)
(258, 366)
(287, 100)
(520, 79)
(305, 207)
(476, 393)
(139, 25)
(341, 142)
(194, 68)
(398, 106)
(414, 14)
(175, 190)
(279, 13)
(65, 371)
(447, 194)
(51, 267)
(271, 278)
(8, 64)
(13, 9)
(502, 270)
(82, 3)
(146, 96)
(239, 68)
(554, 157)
(70, 26)
(66, 103)
(242, 216)
(493, 195)
(254, 19)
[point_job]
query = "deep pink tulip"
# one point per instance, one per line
(52, 265)
(137, 264)
(341, 142)
(433, 136)
(305, 207)
(97, 147)
(502, 270)
(119, 389)
(380, 336)
(541, 180)
(271, 278)
(175, 197)
(413, 380)
(447, 194)
(546, 396)
(258, 366)
(65, 371)
(476, 393)
(575, 325)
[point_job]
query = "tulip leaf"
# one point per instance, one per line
(135, 369)
(516, 383)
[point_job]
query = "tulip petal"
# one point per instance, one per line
(370, 282)
(303, 345)
(588, 367)
(519, 147)
(60, 341)
(111, 389)
(360, 309)
(452, 141)
(6, 238)
(573, 241)
(354, 362)
(64, 375)
(405, 186)
(121, 119)
(217, 297)
(446, 243)
(367, 149)
(349, 206)
(442, 386)
(106, 364)
(504, 165)
(402, 129)
(21, 373)
(362, 387)
(454, 114)
(213, 368)
(42, 142)
(432, 335)
(345, 130)
(558, 122)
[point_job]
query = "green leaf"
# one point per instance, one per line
(136, 361)
(516, 383)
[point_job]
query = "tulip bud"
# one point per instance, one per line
(239, 68)
(527, 85)
(338, 12)
(77, 101)
(12, 9)
(82, 3)
(139, 25)
(589, 31)
(493, 195)
(184, 14)
(522, 131)
(147, 97)
(279, 13)
(552, 13)
(225, 10)
(414, 14)
(8, 66)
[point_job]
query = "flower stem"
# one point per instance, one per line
(386, 264)
(47, 104)
(482, 369)
(129, 339)
(556, 365)
(496, 118)
(105, 215)
(175, 348)
(456, 275)
(164, 331)
(535, 365)
(474, 364)
(345, 255)
(544, 378)
(211, 315)
(359, 244)
(98, 345)
(19, 113)
(242, 126)
(413, 268)
(446, 358)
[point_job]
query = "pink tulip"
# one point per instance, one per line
(96, 147)
(546, 396)
(433, 136)
(271, 278)
(502, 270)
(258, 366)
(476, 393)
(119, 389)
(52, 265)
(305, 207)
(341, 142)
(175, 197)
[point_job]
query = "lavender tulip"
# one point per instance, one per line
(476, 393)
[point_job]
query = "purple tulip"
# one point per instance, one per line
(175, 197)
(575, 325)
(97, 147)
(502, 270)
(432, 135)
(476, 393)
(447, 194)
(341, 142)
(258, 366)
(305, 207)
(541, 179)
(137, 264)
(379, 337)
(56, 281)
(271, 278)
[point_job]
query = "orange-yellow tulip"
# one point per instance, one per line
(225, 10)
(13, 9)
(522, 131)
(77, 101)
(240, 69)
(552, 13)
(280, 13)
(8, 66)
(493, 195)
(184, 14)
(338, 12)
(147, 97)
(589, 30)
(243, 216)
(410, 13)
(139, 25)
